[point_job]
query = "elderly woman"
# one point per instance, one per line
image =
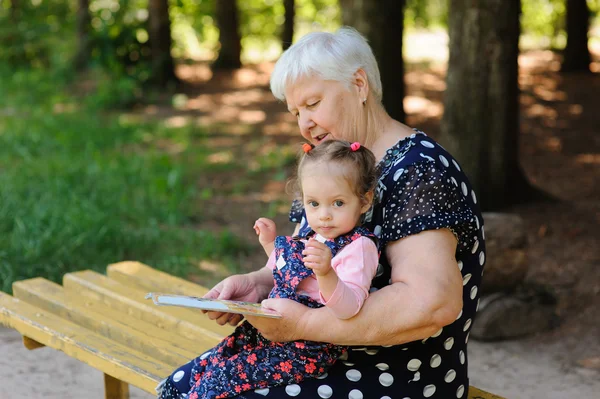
(410, 338)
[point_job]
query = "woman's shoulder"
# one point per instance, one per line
(411, 152)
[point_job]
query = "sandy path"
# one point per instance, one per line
(540, 371)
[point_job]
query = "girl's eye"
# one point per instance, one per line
(313, 204)
(338, 203)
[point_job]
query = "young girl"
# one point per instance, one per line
(332, 266)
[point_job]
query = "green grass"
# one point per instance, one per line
(80, 189)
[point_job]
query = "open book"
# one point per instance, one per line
(218, 305)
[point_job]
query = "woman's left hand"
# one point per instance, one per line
(288, 328)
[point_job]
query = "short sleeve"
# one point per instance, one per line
(427, 197)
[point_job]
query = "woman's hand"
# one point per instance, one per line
(289, 327)
(317, 256)
(250, 287)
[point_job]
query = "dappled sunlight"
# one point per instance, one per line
(204, 102)
(429, 45)
(588, 159)
(221, 157)
(421, 105)
(252, 117)
(251, 77)
(539, 110)
(427, 80)
(151, 109)
(549, 93)
(285, 127)
(552, 144)
(245, 97)
(62, 108)
(178, 121)
(195, 73)
(575, 109)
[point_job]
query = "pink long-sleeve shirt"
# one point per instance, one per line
(355, 266)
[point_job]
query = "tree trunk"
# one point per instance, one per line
(83, 23)
(163, 67)
(382, 23)
(287, 36)
(480, 126)
(15, 8)
(227, 21)
(576, 57)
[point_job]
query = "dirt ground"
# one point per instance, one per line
(560, 154)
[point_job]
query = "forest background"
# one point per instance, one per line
(145, 130)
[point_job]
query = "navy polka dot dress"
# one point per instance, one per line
(421, 187)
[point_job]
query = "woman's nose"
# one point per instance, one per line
(305, 123)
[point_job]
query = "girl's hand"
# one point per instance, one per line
(266, 231)
(317, 256)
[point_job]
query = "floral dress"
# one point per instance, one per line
(245, 360)
(421, 187)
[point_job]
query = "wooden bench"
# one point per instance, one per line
(105, 322)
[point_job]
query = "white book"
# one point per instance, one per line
(215, 305)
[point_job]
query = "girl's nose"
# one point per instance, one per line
(325, 214)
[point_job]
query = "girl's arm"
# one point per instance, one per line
(267, 231)
(346, 287)
(425, 296)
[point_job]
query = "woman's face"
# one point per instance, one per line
(325, 109)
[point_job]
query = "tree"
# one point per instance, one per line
(163, 67)
(287, 36)
(576, 57)
(83, 23)
(480, 125)
(382, 23)
(227, 20)
(15, 8)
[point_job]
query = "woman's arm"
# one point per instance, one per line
(426, 295)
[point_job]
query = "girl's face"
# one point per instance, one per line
(332, 207)
(326, 109)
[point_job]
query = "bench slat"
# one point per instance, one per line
(188, 323)
(476, 393)
(146, 278)
(133, 333)
(100, 352)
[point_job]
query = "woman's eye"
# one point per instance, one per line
(338, 203)
(314, 104)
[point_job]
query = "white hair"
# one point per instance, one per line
(330, 56)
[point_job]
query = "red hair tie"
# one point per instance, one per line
(307, 147)
(355, 146)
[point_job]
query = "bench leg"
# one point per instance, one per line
(31, 344)
(115, 389)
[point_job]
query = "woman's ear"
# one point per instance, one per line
(367, 201)
(362, 84)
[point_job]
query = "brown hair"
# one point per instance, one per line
(360, 165)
